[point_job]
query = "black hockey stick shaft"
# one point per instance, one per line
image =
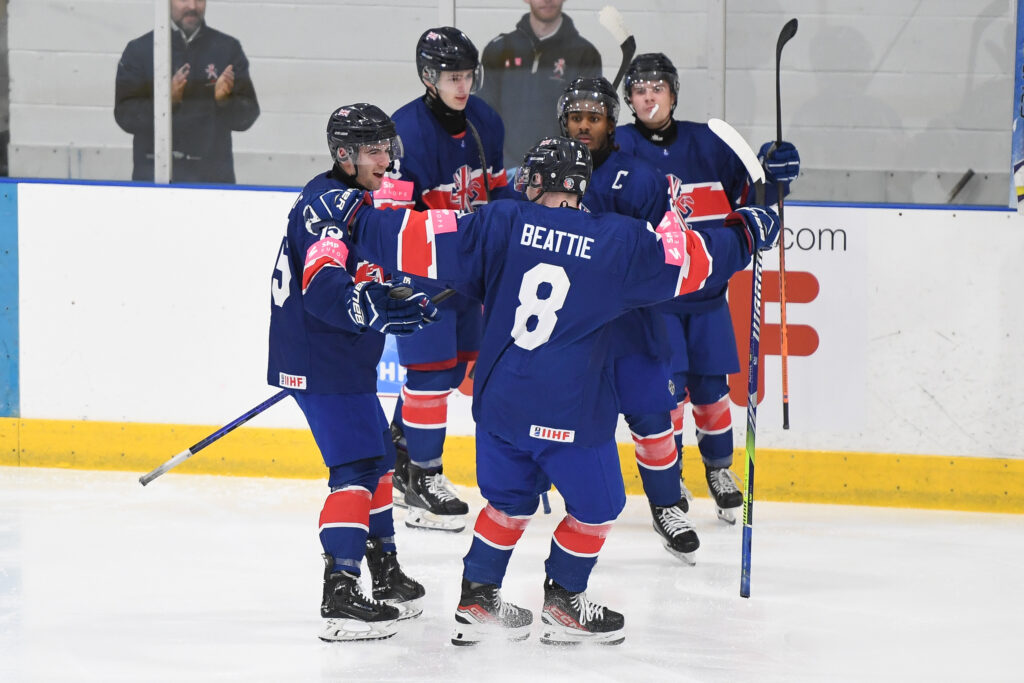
(611, 19)
(483, 162)
(788, 31)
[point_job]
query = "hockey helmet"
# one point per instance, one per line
(556, 165)
(446, 48)
(360, 125)
(651, 66)
(588, 94)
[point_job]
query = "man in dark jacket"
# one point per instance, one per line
(525, 72)
(211, 95)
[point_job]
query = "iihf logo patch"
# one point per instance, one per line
(551, 434)
(568, 183)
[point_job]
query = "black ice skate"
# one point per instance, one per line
(482, 614)
(349, 614)
(569, 618)
(676, 531)
(390, 584)
(724, 489)
(400, 479)
(432, 502)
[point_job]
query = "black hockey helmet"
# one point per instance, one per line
(556, 165)
(588, 94)
(446, 48)
(357, 125)
(651, 66)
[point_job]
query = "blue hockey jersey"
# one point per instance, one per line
(550, 280)
(706, 181)
(314, 345)
(630, 186)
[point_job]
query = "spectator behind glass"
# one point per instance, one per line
(211, 95)
(525, 72)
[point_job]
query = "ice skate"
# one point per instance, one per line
(390, 583)
(570, 618)
(723, 485)
(684, 494)
(400, 479)
(348, 613)
(483, 615)
(676, 531)
(432, 502)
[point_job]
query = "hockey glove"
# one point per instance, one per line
(372, 306)
(760, 225)
(781, 163)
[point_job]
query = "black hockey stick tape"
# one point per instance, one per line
(405, 291)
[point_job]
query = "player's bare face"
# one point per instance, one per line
(453, 87)
(372, 164)
(188, 14)
(590, 128)
(652, 101)
(545, 10)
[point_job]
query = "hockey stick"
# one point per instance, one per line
(738, 145)
(612, 20)
(400, 292)
(483, 158)
(200, 445)
(787, 32)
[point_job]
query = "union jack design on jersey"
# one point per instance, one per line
(465, 192)
(417, 251)
(698, 201)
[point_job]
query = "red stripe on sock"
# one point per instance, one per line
(425, 409)
(713, 418)
(350, 506)
(382, 497)
(498, 529)
(655, 451)
(581, 539)
(677, 418)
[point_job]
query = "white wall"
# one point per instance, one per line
(887, 101)
(144, 304)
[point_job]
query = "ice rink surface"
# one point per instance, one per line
(202, 578)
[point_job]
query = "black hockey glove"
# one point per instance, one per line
(760, 225)
(377, 306)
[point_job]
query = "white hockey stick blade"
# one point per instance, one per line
(738, 145)
(612, 20)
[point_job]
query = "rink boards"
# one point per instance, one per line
(135, 318)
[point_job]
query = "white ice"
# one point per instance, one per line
(204, 578)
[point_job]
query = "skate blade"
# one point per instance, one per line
(689, 558)
(726, 515)
(406, 610)
(560, 636)
(422, 519)
(399, 501)
(350, 630)
(473, 633)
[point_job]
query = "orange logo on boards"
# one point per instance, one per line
(801, 288)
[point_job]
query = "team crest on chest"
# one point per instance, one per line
(211, 72)
(560, 67)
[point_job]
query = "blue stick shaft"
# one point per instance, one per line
(200, 445)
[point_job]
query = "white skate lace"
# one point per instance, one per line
(589, 611)
(675, 521)
(724, 480)
(439, 486)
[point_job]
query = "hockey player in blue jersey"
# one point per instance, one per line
(706, 182)
(640, 351)
(453, 160)
(329, 314)
(551, 277)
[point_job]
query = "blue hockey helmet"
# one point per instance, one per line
(361, 125)
(446, 48)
